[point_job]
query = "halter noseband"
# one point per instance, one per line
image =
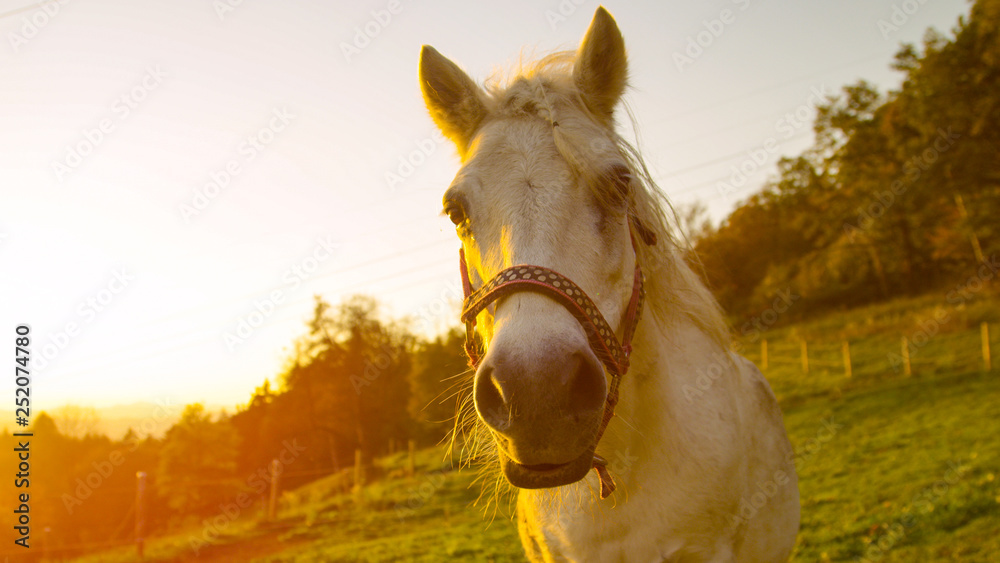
(600, 335)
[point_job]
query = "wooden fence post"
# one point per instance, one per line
(984, 330)
(411, 460)
(805, 358)
(977, 250)
(847, 359)
(763, 355)
(906, 357)
(140, 511)
(359, 472)
(272, 504)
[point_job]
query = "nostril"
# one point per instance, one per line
(489, 400)
(588, 386)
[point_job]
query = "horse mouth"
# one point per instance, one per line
(546, 475)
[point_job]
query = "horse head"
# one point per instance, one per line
(543, 182)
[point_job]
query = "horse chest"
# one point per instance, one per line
(562, 530)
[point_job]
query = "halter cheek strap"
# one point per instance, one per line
(600, 335)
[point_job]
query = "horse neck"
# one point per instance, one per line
(671, 358)
(656, 435)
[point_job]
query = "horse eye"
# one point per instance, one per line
(621, 177)
(455, 213)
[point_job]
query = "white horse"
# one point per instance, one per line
(696, 445)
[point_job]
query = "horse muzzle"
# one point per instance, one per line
(576, 374)
(544, 400)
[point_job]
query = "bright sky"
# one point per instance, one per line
(172, 169)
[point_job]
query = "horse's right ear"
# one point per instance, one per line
(456, 104)
(601, 67)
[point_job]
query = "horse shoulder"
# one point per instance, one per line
(761, 395)
(768, 531)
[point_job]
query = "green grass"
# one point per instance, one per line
(918, 455)
(909, 473)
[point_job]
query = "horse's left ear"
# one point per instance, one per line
(601, 67)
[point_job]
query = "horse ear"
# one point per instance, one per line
(601, 66)
(455, 102)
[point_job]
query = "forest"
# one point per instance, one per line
(355, 383)
(899, 193)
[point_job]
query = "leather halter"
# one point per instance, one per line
(600, 335)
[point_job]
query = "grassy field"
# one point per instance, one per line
(891, 468)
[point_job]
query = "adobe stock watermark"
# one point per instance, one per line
(764, 491)
(291, 280)
(248, 150)
(120, 110)
(562, 12)
(758, 325)
(370, 30)
(102, 469)
(785, 128)
(409, 163)
(258, 483)
(430, 314)
(33, 23)
(375, 367)
(922, 502)
(722, 362)
(901, 14)
(223, 8)
(713, 30)
(966, 290)
(418, 496)
(929, 328)
(567, 514)
(913, 169)
(87, 310)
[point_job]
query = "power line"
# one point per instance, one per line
(724, 158)
(277, 320)
(708, 134)
(397, 254)
(716, 161)
(259, 292)
(200, 342)
(742, 97)
(25, 9)
(248, 296)
(765, 89)
(363, 283)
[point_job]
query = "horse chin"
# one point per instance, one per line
(544, 476)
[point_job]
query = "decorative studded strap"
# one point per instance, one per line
(544, 280)
(600, 335)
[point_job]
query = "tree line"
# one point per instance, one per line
(898, 195)
(354, 381)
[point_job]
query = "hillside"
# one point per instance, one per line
(892, 467)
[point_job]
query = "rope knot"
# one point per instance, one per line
(545, 108)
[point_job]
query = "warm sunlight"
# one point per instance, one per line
(160, 197)
(223, 257)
